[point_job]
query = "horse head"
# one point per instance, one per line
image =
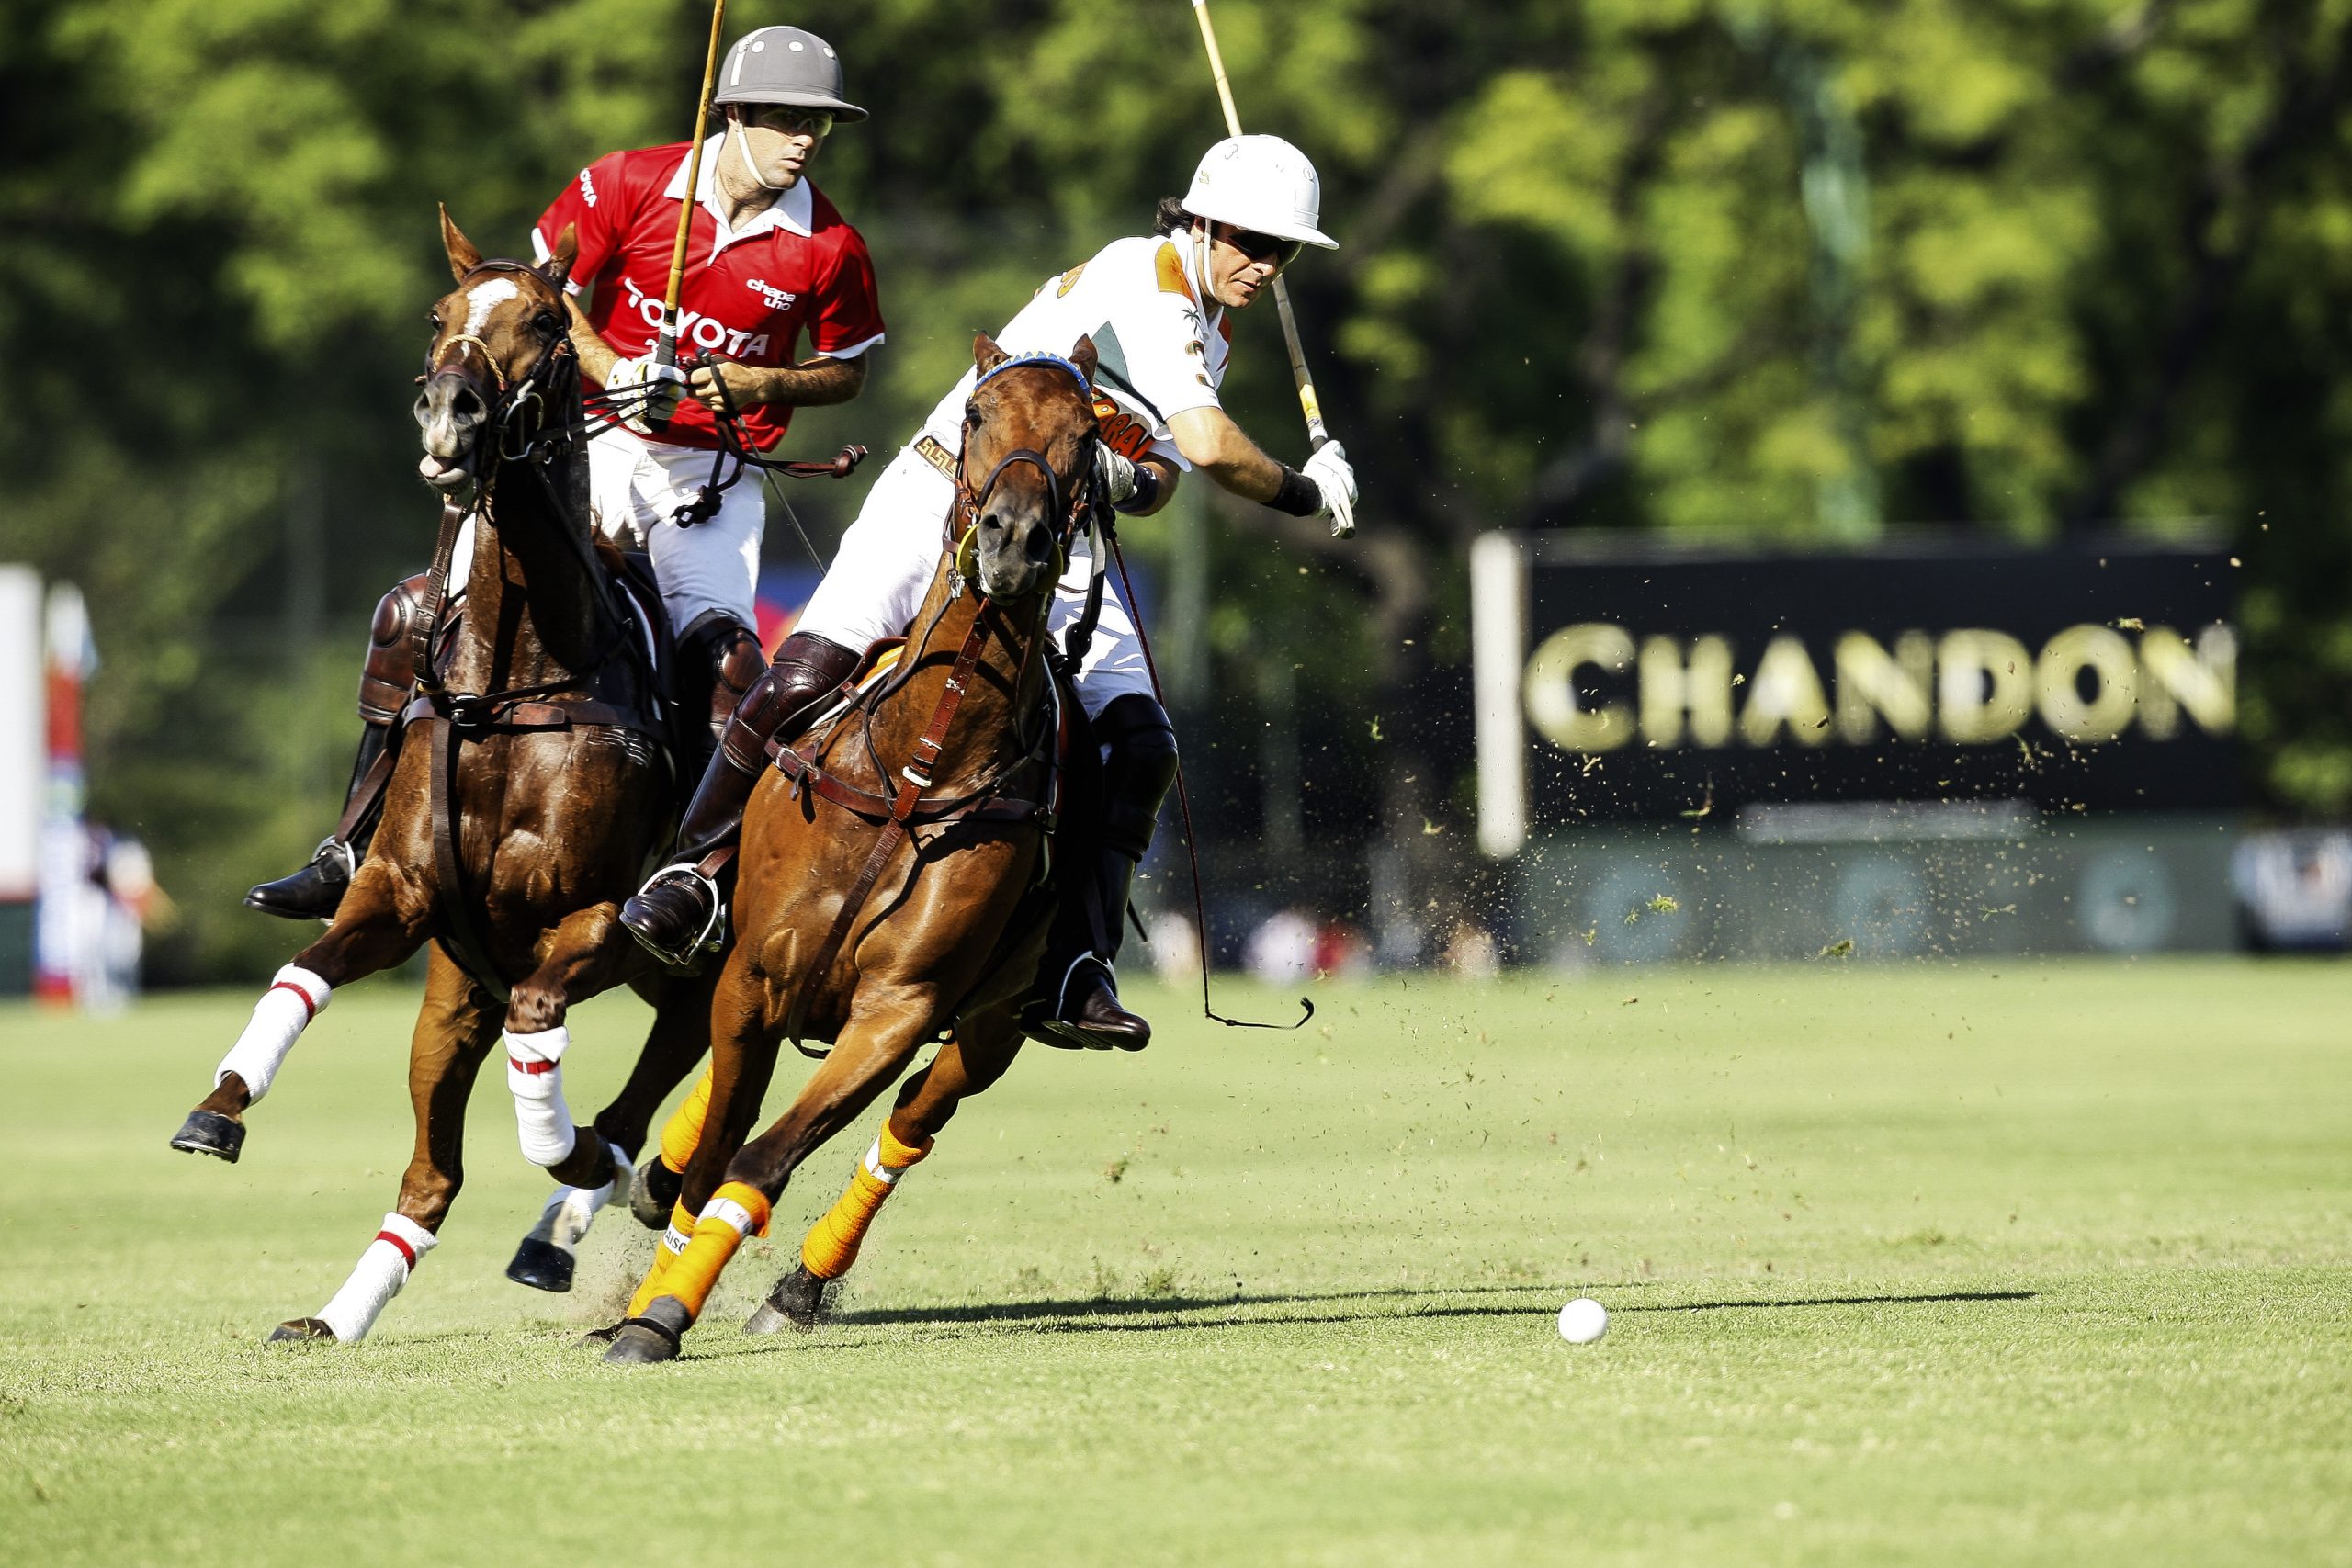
(1028, 467)
(500, 339)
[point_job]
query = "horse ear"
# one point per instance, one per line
(1083, 355)
(463, 257)
(557, 268)
(986, 355)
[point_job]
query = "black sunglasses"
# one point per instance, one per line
(818, 123)
(1261, 247)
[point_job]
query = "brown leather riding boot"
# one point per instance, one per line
(1077, 1006)
(680, 916)
(385, 680)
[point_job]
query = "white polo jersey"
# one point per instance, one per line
(1159, 353)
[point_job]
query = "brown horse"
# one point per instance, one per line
(531, 788)
(889, 864)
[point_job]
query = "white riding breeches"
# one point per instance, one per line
(634, 489)
(885, 561)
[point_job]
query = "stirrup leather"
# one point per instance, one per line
(713, 935)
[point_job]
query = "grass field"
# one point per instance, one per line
(1908, 1266)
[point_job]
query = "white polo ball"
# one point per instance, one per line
(1583, 1320)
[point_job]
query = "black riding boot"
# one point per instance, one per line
(1078, 1006)
(385, 680)
(679, 916)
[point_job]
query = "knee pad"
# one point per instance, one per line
(389, 673)
(807, 672)
(1137, 770)
(730, 652)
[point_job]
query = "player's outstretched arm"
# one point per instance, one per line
(1213, 444)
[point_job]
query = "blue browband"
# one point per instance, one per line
(1018, 360)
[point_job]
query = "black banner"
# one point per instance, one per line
(2099, 677)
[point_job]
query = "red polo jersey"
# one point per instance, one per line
(748, 293)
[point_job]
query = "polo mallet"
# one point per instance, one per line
(1317, 436)
(665, 343)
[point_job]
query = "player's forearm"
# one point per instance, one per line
(813, 383)
(1167, 473)
(1212, 443)
(597, 357)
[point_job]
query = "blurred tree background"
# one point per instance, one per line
(1799, 270)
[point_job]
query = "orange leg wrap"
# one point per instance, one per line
(684, 1130)
(831, 1243)
(665, 1253)
(735, 1211)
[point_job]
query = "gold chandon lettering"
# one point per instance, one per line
(1672, 688)
(1874, 684)
(1785, 690)
(1549, 688)
(2172, 677)
(1984, 685)
(2114, 681)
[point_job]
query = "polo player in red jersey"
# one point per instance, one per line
(769, 261)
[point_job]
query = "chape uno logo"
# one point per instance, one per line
(778, 299)
(587, 188)
(1971, 686)
(696, 328)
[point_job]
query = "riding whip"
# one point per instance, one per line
(666, 345)
(1317, 436)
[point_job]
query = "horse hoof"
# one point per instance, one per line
(597, 1338)
(542, 1265)
(301, 1331)
(800, 1301)
(210, 1133)
(654, 1193)
(635, 1344)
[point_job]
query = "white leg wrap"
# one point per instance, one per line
(572, 1210)
(294, 997)
(535, 1074)
(382, 1270)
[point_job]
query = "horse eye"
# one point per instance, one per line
(544, 322)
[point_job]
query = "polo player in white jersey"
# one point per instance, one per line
(769, 260)
(1159, 309)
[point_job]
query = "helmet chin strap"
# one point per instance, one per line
(1210, 303)
(744, 145)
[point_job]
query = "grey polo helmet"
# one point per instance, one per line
(785, 65)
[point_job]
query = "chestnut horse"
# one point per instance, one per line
(531, 788)
(888, 878)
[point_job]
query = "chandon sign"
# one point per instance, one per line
(1614, 686)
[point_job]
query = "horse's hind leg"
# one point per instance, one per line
(589, 952)
(370, 933)
(966, 1066)
(454, 1030)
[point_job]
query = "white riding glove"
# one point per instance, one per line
(1115, 476)
(646, 389)
(1329, 470)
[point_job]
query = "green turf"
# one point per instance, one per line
(1921, 1265)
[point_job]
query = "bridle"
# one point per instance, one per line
(971, 498)
(516, 426)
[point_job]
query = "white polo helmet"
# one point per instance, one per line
(1261, 183)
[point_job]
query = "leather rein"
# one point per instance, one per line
(517, 431)
(905, 807)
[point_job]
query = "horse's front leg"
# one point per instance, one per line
(587, 953)
(380, 923)
(454, 1030)
(969, 1064)
(887, 1026)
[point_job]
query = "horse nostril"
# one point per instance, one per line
(1040, 548)
(467, 404)
(990, 521)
